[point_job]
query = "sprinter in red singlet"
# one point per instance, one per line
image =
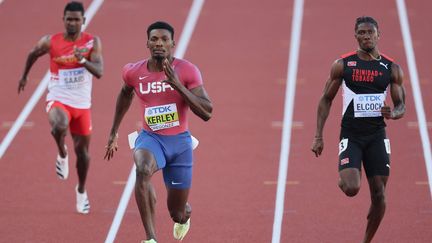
(166, 87)
(365, 76)
(75, 57)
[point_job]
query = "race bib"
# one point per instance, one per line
(73, 78)
(368, 105)
(162, 117)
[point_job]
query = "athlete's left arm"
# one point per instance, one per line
(197, 98)
(95, 63)
(397, 92)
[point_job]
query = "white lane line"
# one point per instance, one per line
(288, 115)
(28, 108)
(412, 66)
(183, 43)
(121, 208)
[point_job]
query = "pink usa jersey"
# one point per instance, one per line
(165, 111)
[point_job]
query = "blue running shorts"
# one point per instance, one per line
(173, 154)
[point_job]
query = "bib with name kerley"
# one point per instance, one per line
(73, 78)
(368, 105)
(162, 117)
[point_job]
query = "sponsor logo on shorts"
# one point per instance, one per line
(344, 161)
(176, 183)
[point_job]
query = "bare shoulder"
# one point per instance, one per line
(45, 40)
(96, 38)
(338, 62)
(396, 67)
(397, 74)
(97, 41)
(43, 45)
(337, 68)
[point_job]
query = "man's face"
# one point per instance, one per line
(73, 20)
(160, 43)
(367, 36)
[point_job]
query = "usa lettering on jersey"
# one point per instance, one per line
(154, 87)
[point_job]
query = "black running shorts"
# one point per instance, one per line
(373, 150)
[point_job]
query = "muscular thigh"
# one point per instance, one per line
(350, 152)
(377, 156)
(81, 123)
(147, 142)
(58, 114)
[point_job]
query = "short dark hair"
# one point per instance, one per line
(365, 19)
(160, 25)
(74, 6)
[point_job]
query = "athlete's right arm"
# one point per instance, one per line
(330, 90)
(41, 48)
(124, 100)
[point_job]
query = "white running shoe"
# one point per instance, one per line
(82, 202)
(148, 241)
(62, 167)
(180, 230)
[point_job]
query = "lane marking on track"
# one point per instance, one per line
(290, 183)
(412, 66)
(295, 124)
(9, 124)
(119, 182)
(288, 115)
(183, 43)
(426, 211)
(28, 108)
(422, 183)
(415, 124)
(270, 211)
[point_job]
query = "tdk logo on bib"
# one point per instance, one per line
(368, 105)
(370, 98)
(158, 110)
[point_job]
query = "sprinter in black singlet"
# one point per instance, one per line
(365, 76)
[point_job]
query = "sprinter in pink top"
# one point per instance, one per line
(164, 109)
(75, 57)
(166, 87)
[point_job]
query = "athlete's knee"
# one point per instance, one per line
(144, 170)
(378, 197)
(350, 188)
(181, 216)
(178, 216)
(145, 164)
(59, 129)
(351, 191)
(82, 155)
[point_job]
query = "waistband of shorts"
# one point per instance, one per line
(354, 132)
(185, 133)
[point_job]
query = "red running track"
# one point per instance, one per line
(242, 49)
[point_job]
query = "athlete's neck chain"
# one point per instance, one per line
(375, 58)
